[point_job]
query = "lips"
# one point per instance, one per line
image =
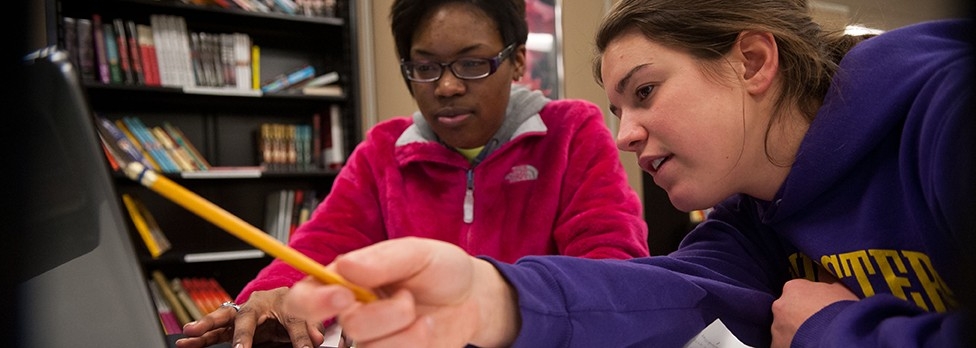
(653, 164)
(452, 117)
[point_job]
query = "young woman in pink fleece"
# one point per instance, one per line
(492, 167)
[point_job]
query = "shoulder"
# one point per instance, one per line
(390, 128)
(574, 111)
(927, 45)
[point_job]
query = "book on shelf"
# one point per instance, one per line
(185, 299)
(118, 143)
(242, 61)
(113, 157)
(203, 301)
(245, 5)
(226, 59)
(112, 54)
(101, 58)
(151, 144)
(147, 227)
(207, 292)
(175, 304)
(172, 50)
(167, 318)
(146, 158)
(324, 91)
(336, 151)
(87, 64)
(181, 140)
(70, 32)
(320, 80)
(122, 45)
(322, 85)
(317, 142)
(147, 51)
(135, 56)
(283, 81)
(285, 6)
(255, 67)
(179, 155)
(285, 210)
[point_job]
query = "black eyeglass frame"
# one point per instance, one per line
(493, 64)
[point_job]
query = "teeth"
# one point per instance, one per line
(657, 163)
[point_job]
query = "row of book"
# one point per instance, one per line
(165, 53)
(302, 147)
(182, 300)
(163, 148)
(308, 8)
(285, 210)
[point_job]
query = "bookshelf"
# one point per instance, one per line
(223, 121)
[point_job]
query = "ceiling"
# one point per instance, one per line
(890, 14)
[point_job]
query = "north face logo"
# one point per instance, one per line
(523, 172)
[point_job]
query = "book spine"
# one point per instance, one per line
(338, 151)
(112, 54)
(283, 81)
(171, 324)
(122, 44)
(191, 307)
(140, 224)
(146, 158)
(174, 153)
(242, 54)
(255, 67)
(122, 142)
(86, 51)
(151, 145)
(135, 55)
(101, 56)
(174, 302)
(154, 230)
(147, 51)
(197, 158)
(69, 27)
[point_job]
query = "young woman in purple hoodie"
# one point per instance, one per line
(486, 165)
(840, 169)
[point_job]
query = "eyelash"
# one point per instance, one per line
(641, 95)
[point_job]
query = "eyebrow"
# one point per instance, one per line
(463, 51)
(624, 81)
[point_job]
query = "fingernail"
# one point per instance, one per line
(190, 323)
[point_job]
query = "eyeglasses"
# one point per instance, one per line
(464, 68)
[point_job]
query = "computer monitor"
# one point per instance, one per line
(78, 282)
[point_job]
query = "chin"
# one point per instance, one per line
(688, 203)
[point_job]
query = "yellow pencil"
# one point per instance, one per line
(239, 228)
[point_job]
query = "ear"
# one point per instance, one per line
(518, 61)
(760, 59)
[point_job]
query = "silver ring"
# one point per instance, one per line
(231, 304)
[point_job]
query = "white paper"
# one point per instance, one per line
(331, 336)
(716, 335)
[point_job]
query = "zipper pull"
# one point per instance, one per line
(469, 198)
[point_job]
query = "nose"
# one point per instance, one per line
(630, 135)
(449, 85)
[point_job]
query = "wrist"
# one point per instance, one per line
(497, 306)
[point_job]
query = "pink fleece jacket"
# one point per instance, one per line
(556, 186)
